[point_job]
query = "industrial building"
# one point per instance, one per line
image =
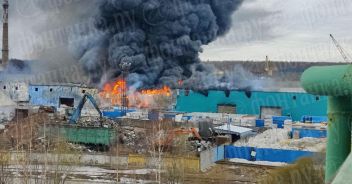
(58, 95)
(17, 91)
(65, 132)
(295, 105)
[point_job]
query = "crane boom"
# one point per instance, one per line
(340, 49)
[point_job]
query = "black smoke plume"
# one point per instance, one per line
(161, 39)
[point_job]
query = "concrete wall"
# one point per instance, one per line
(209, 157)
(101, 160)
(46, 95)
(189, 164)
(295, 104)
(7, 107)
(16, 91)
(7, 113)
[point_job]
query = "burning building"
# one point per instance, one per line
(113, 93)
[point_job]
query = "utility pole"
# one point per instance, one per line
(5, 34)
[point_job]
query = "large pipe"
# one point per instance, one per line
(339, 135)
(328, 80)
(335, 82)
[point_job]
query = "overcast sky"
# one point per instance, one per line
(289, 30)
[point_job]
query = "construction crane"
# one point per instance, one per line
(340, 49)
(77, 112)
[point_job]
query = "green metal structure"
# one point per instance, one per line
(89, 135)
(335, 82)
(82, 135)
(344, 175)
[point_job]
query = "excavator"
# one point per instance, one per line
(167, 141)
(77, 112)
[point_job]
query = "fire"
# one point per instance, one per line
(143, 99)
(163, 91)
(115, 88)
(114, 91)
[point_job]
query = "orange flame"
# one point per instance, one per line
(163, 91)
(113, 93)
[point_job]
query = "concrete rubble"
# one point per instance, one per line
(133, 138)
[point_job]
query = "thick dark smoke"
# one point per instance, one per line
(17, 66)
(161, 39)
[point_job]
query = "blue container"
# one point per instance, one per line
(280, 124)
(169, 116)
(154, 115)
(117, 113)
(259, 123)
(280, 120)
(311, 133)
(314, 119)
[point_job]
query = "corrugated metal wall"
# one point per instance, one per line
(295, 104)
(50, 95)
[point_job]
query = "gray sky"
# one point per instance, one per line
(289, 30)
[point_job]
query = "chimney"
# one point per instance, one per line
(5, 34)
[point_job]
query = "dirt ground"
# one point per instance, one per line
(223, 174)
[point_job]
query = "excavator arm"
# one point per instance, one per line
(77, 112)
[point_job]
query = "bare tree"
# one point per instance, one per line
(5, 175)
(66, 159)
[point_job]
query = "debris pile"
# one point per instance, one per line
(280, 139)
(133, 138)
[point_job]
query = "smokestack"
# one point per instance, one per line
(5, 34)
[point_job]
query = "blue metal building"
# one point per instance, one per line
(58, 95)
(295, 104)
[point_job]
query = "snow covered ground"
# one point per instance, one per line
(265, 163)
(80, 174)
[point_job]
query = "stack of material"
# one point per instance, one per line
(221, 118)
(280, 139)
(235, 130)
(7, 108)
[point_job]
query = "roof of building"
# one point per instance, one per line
(80, 85)
(230, 129)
